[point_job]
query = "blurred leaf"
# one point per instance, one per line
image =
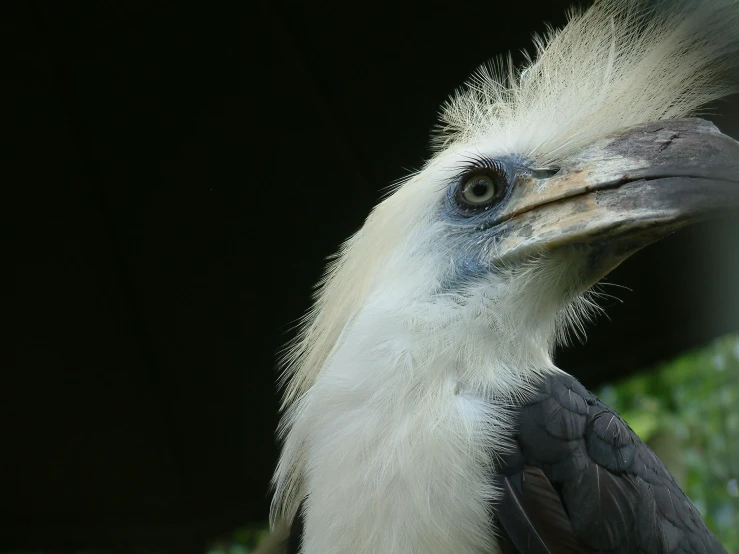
(694, 399)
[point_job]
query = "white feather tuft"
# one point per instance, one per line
(616, 65)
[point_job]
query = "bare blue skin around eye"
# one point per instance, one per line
(470, 231)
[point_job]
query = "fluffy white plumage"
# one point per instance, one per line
(614, 66)
(384, 415)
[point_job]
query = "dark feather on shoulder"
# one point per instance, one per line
(533, 516)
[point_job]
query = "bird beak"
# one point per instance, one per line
(625, 191)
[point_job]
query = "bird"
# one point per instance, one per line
(423, 411)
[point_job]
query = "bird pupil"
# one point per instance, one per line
(479, 189)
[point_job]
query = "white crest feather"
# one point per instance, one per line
(613, 66)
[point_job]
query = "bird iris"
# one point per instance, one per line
(478, 189)
(481, 186)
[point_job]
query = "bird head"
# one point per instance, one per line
(545, 179)
(542, 181)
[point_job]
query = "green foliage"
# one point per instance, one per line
(687, 411)
(242, 540)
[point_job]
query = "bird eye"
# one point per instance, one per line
(478, 190)
(480, 184)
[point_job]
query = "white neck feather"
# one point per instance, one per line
(407, 415)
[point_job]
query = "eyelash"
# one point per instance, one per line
(478, 162)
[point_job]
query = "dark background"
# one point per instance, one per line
(175, 174)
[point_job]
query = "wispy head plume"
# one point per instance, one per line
(620, 63)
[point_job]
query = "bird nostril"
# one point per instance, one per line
(544, 172)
